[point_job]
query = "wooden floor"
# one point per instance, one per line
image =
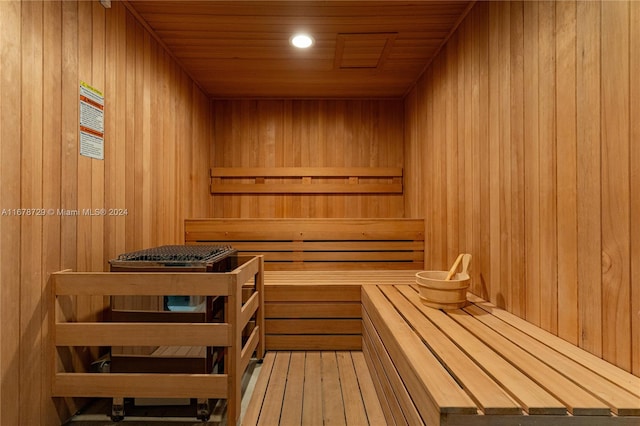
(314, 388)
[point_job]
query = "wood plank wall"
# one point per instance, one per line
(308, 133)
(526, 125)
(156, 167)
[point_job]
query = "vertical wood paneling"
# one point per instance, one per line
(634, 96)
(437, 171)
(588, 186)
(313, 133)
(531, 163)
(10, 118)
(51, 181)
(548, 262)
(503, 293)
(46, 49)
(566, 171)
(31, 274)
(481, 191)
(616, 280)
(517, 281)
(547, 164)
(495, 168)
(451, 133)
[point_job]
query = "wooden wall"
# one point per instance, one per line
(308, 133)
(155, 167)
(528, 128)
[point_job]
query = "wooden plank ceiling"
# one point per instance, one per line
(373, 49)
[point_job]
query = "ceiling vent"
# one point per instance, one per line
(363, 50)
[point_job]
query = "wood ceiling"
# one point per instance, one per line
(370, 49)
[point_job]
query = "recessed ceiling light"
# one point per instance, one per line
(301, 41)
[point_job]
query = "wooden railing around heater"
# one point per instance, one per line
(315, 268)
(67, 287)
(306, 180)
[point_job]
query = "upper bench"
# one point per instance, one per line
(318, 243)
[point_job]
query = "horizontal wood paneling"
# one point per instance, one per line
(156, 167)
(525, 122)
(308, 133)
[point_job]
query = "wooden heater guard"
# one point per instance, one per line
(67, 287)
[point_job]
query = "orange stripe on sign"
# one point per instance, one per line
(91, 102)
(93, 132)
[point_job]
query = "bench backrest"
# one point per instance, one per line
(318, 243)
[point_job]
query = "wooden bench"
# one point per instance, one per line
(484, 366)
(314, 269)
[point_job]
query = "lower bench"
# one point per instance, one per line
(319, 310)
(483, 366)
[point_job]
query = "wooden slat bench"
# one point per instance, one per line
(314, 269)
(483, 366)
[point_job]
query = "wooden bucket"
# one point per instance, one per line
(440, 294)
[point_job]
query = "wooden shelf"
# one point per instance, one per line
(306, 180)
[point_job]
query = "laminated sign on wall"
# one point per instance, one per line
(91, 122)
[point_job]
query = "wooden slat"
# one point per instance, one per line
(249, 309)
(312, 310)
(303, 188)
(326, 245)
(340, 256)
(142, 334)
(249, 348)
(371, 402)
(140, 385)
(313, 326)
(134, 284)
(311, 342)
(344, 266)
(156, 316)
(354, 407)
(306, 171)
(303, 229)
(252, 412)
(369, 276)
(272, 405)
(333, 407)
(315, 293)
(378, 383)
(293, 398)
(312, 406)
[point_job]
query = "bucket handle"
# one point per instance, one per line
(466, 259)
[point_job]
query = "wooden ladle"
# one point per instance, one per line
(465, 265)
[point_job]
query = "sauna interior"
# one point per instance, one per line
(513, 129)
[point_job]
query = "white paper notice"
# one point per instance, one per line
(91, 122)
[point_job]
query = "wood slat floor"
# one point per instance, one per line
(314, 388)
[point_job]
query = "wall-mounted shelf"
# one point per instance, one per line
(306, 180)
